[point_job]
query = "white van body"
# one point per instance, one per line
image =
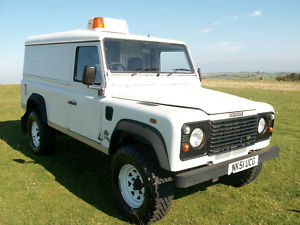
(48, 69)
(164, 102)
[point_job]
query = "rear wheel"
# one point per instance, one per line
(141, 190)
(243, 177)
(41, 136)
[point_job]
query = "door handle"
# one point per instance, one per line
(72, 102)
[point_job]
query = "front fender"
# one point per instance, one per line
(148, 133)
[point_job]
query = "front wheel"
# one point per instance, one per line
(141, 190)
(241, 178)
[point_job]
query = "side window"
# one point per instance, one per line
(87, 55)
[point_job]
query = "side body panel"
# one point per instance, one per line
(54, 81)
(47, 72)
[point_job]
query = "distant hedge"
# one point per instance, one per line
(289, 77)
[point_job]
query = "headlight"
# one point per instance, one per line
(196, 137)
(261, 125)
(265, 126)
(194, 140)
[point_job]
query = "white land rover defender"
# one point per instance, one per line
(140, 100)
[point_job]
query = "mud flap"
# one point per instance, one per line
(24, 122)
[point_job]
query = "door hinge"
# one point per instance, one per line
(101, 92)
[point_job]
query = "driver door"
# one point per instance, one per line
(85, 118)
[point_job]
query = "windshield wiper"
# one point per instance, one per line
(181, 69)
(178, 69)
(144, 69)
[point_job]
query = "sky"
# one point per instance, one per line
(223, 36)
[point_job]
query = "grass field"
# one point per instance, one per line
(267, 84)
(243, 75)
(72, 186)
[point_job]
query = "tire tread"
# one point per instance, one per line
(161, 182)
(242, 178)
(47, 134)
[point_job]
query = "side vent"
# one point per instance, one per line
(109, 111)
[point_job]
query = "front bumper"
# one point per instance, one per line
(202, 174)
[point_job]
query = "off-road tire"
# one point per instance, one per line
(46, 134)
(243, 177)
(157, 184)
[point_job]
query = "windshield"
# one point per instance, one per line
(146, 57)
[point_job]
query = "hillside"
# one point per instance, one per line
(234, 75)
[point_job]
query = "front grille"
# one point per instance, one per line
(231, 134)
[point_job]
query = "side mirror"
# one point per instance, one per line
(199, 74)
(89, 75)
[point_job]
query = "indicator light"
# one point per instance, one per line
(152, 120)
(270, 130)
(185, 147)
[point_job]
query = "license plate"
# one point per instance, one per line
(243, 164)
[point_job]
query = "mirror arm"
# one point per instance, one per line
(101, 90)
(199, 74)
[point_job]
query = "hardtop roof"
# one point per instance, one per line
(88, 36)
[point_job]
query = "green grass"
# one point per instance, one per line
(72, 185)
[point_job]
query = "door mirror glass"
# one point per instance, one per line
(89, 75)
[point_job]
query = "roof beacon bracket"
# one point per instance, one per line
(108, 25)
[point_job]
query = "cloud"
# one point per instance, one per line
(205, 30)
(233, 17)
(216, 23)
(255, 13)
(226, 46)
